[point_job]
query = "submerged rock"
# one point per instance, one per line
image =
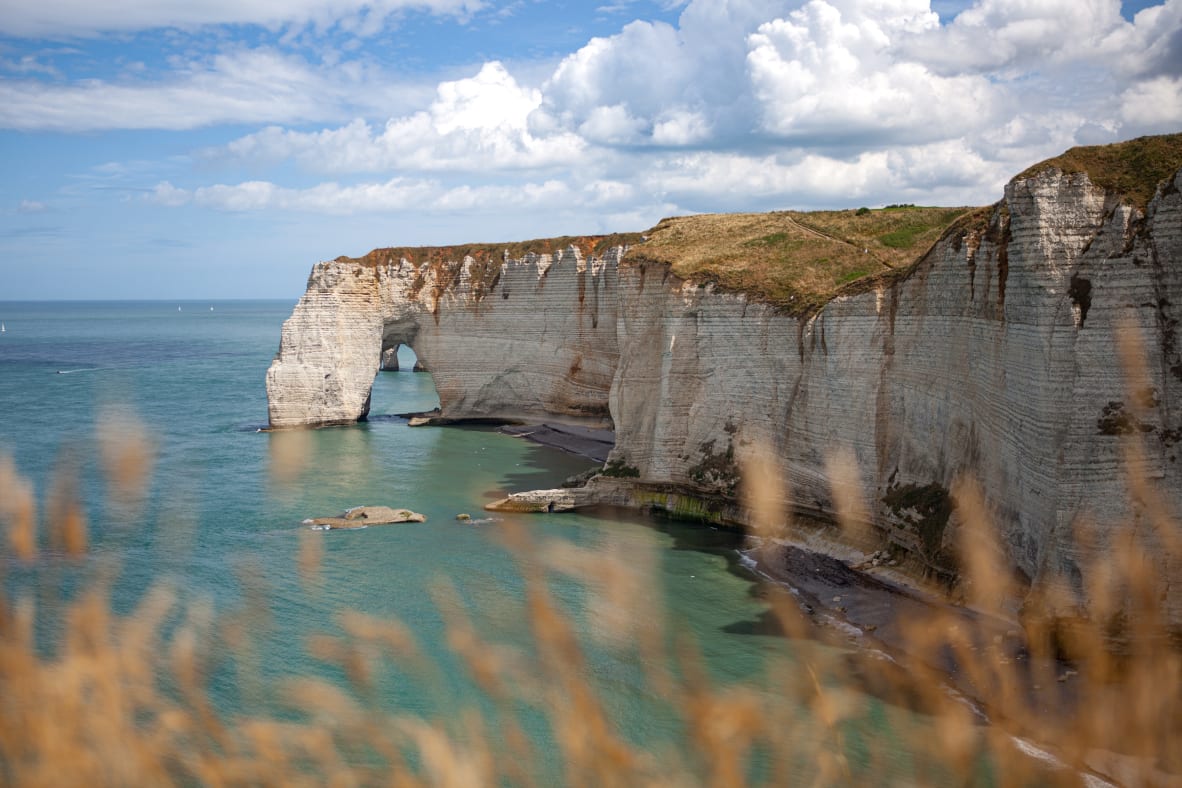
(365, 516)
(426, 418)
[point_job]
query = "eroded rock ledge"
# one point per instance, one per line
(994, 357)
(365, 516)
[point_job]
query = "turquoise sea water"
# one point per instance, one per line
(221, 524)
(220, 507)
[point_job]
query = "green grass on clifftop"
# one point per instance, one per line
(798, 261)
(792, 259)
(1132, 169)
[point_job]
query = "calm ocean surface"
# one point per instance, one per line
(194, 376)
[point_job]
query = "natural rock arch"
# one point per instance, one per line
(532, 338)
(923, 378)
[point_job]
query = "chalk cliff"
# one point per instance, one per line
(526, 338)
(994, 356)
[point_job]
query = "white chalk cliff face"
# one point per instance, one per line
(528, 339)
(996, 357)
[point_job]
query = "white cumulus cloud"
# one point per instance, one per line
(478, 123)
(759, 104)
(656, 84)
(1012, 38)
(824, 74)
(1155, 104)
(946, 173)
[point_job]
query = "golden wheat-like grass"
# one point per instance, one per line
(125, 700)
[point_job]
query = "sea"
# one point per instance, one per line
(222, 521)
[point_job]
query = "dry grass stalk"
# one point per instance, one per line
(18, 510)
(311, 557)
(126, 700)
(852, 516)
(765, 496)
(126, 454)
(65, 516)
(290, 454)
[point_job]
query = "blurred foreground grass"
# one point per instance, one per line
(125, 699)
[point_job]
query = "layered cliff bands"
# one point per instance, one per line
(526, 338)
(995, 356)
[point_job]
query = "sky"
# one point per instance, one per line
(202, 149)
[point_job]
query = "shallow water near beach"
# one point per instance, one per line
(226, 502)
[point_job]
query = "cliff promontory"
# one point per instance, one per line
(993, 355)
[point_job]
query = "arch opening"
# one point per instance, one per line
(402, 384)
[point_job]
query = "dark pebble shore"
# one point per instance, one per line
(594, 444)
(852, 606)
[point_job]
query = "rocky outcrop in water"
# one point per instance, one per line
(995, 357)
(560, 500)
(365, 516)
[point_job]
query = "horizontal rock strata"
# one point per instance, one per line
(531, 338)
(995, 357)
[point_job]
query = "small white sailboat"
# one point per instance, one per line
(2, 328)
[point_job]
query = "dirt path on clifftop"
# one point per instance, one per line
(804, 228)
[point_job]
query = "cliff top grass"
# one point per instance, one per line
(1132, 169)
(800, 260)
(588, 245)
(795, 260)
